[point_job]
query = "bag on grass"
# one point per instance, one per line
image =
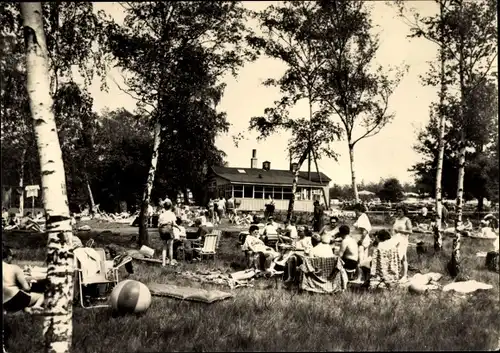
(493, 261)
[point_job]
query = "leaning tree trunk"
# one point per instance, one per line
(143, 215)
(438, 227)
(327, 205)
(57, 327)
(291, 203)
(353, 174)
(91, 196)
(21, 182)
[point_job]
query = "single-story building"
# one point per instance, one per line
(253, 186)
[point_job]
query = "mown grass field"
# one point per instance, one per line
(265, 318)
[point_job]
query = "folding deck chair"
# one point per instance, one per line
(219, 235)
(105, 274)
(209, 246)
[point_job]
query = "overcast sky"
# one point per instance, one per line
(388, 154)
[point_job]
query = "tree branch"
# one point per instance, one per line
(131, 95)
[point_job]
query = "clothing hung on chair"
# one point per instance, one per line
(90, 261)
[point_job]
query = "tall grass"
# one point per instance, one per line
(265, 318)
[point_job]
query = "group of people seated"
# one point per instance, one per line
(26, 222)
(354, 245)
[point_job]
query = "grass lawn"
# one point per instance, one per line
(264, 318)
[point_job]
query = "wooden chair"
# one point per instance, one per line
(209, 246)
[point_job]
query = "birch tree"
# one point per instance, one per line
(470, 29)
(352, 88)
(438, 226)
(58, 303)
(157, 48)
(438, 36)
(288, 35)
(72, 32)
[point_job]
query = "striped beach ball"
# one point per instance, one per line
(130, 297)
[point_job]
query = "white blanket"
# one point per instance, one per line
(466, 286)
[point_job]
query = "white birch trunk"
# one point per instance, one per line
(353, 174)
(295, 180)
(455, 256)
(21, 183)
(57, 327)
(143, 229)
(438, 227)
(459, 200)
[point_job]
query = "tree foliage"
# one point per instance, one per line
(174, 55)
(391, 190)
(287, 36)
(470, 107)
(481, 173)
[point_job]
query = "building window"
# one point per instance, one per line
(229, 191)
(238, 190)
(278, 193)
(287, 193)
(248, 191)
(268, 192)
(259, 192)
(316, 194)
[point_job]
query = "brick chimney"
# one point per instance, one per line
(293, 167)
(253, 161)
(266, 165)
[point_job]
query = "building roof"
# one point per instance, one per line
(256, 176)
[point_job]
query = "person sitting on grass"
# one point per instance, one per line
(323, 248)
(486, 231)
(166, 221)
(247, 219)
(466, 227)
(17, 293)
(254, 244)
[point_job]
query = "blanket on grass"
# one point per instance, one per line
(218, 277)
(466, 286)
(188, 293)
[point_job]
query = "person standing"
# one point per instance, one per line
(363, 227)
(318, 213)
(231, 213)
(221, 208)
(270, 207)
(166, 221)
(216, 211)
(401, 229)
(210, 208)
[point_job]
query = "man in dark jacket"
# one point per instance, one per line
(318, 213)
